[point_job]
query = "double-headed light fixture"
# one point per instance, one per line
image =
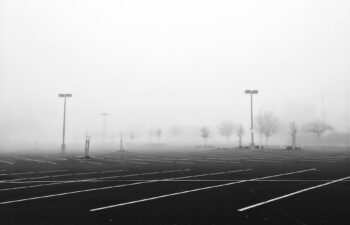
(251, 92)
(65, 96)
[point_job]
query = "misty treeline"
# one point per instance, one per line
(267, 124)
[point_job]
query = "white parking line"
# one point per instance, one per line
(291, 194)
(35, 160)
(137, 162)
(195, 190)
(89, 179)
(86, 190)
(183, 162)
(95, 163)
(61, 175)
(11, 163)
(33, 172)
(261, 160)
(175, 180)
(315, 160)
(111, 160)
(62, 159)
(210, 161)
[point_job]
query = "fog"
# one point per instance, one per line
(158, 64)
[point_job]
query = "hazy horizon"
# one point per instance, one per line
(186, 65)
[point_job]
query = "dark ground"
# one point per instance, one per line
(56, 204)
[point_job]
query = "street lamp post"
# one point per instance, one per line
(65, 96)
(251, 92)
(104, 126)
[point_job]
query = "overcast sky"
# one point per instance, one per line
(163, 63)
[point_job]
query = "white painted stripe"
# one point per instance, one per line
(211, 161)
(291, 194)
(84, 180)
(195, 190)
(6, 162)
(138, 162)
(35, 160)
(111, 160)
(96, 163)
(82, 191)
(312, 160)
(260, 160)
(61, 175)
(114, 157)
(56, 158)
(175, 180)
(185, 162)
(33, 172)
(60, 159)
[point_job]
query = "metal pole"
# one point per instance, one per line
(63, 147)
(251, 119)
(104, 129)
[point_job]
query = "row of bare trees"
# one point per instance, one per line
(227, 129)
(317, 127)
(267, 125)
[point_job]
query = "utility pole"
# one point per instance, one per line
(87, 146)
(251, 92)
(104, 126)
(65, 96)
(121, 143)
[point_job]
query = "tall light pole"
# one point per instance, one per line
(104, 125)
(251, 92)
(65, 96)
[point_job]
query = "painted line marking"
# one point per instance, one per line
(185, 162)
(6, 162)
(260, 160)
(60, 159)
(55, 158)
(101, 178)
(95, 163)
(111, 160)
(35, 160)
(175, 180)
(16, 181)
(311, 160)
(61, 175)
(291, 194)
(137, 162)
(210, 161)
(85, 190)
(33, 172)
(195, 190)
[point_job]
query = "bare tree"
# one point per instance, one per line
(121, 143)
(293, 130)
(159, 134)
(205, 133)
(318, 128)
(226, 129)
(267, 124)
(240, 132)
